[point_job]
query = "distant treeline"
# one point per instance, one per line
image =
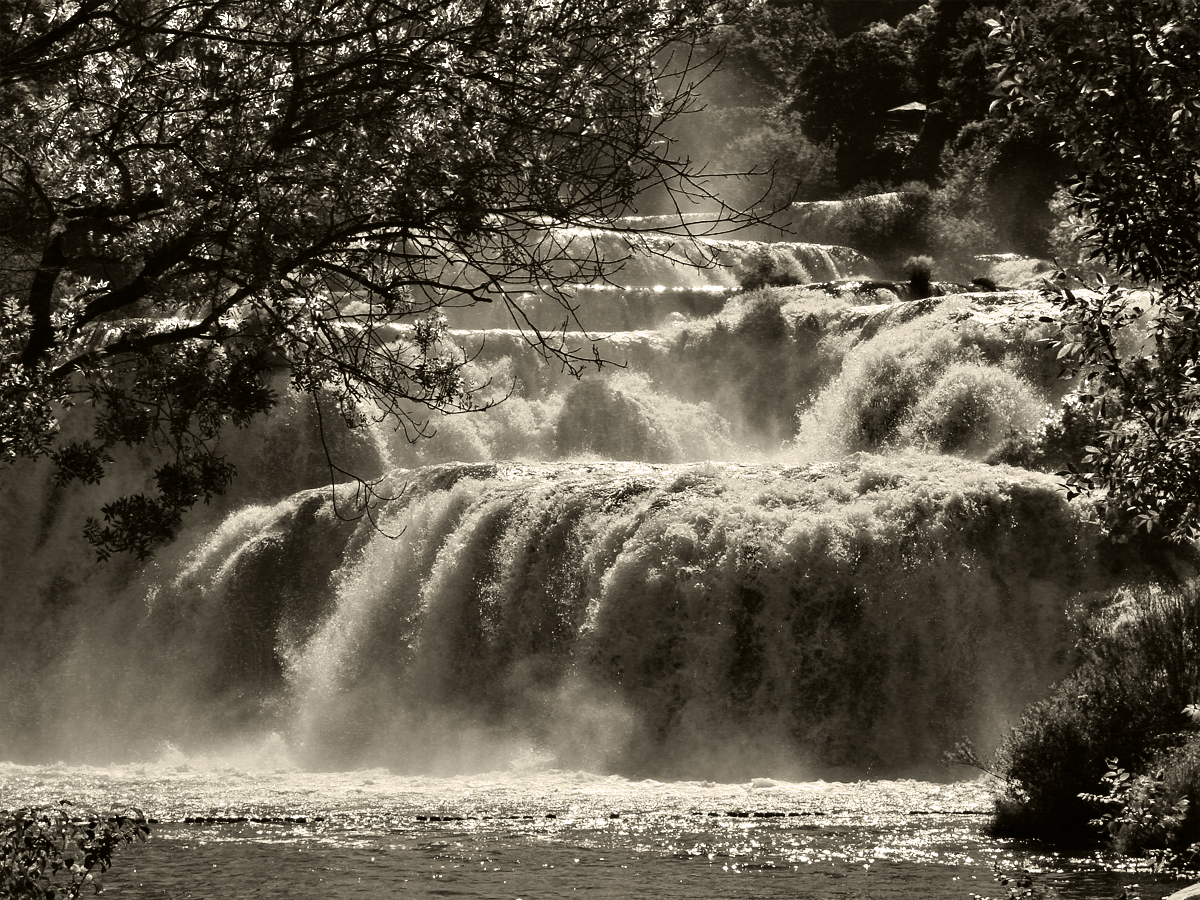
(842, 99)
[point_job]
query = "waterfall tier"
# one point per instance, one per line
(702, 620)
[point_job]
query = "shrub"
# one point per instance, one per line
(903, 354)
(1152, 813)
(1126, 700)
(887, 227)
(45, 853)
(1162, 811)
(1059, 441)
(919, 272)
(775, 350)
(767, 266)
(762, 322)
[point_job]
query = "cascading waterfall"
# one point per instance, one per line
(658, 275)
(810, 613)
(701, 620)
(696, 619)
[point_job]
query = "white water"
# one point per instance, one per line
(544, 636)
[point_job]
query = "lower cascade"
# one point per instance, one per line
(703, 620)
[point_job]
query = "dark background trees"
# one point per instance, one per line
(810, 87)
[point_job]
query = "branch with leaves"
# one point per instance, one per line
(51, 853)
(1119, 82)
(199, 195)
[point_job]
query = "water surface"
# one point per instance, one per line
(230, 831)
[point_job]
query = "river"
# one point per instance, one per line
(231, 831)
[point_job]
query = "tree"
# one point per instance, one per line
(767, 48)
(845, 92)
(1120, 83)
(200, 193)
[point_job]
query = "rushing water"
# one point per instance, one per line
(614, 666)
(708, 620)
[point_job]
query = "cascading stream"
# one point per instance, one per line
(813, 614)
(700, 621)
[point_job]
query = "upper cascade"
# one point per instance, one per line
(655, 272)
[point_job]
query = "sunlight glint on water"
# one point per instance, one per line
(232, 831)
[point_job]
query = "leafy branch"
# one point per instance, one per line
(48, 854)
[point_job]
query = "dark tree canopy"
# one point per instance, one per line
(846, 90)
(195, 194)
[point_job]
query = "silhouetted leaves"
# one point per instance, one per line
(50, 853)
(1118, 82)
(196, 197)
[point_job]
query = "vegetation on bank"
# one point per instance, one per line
(1114, 753)
(58, 853)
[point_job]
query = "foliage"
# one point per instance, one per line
(772, 141)
(1144, 464)
(1069, 253)
(1136, 810)
(845, 91)
(1058, 442)
(769, 266)
(888, 226)
(919, 272)
(48, 853)
(770, 45)
(747, 126)
(623, 417)
(765, 49)
(762, 324)
(197, 195)
(1118, 81)
(770, 346)
(951, 61)
(1138, 670)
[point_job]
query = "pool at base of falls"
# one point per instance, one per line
(235, 830)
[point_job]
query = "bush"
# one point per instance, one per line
(762, 323)
(888, 227)
(1059, 441)
(919, 272)
(768, 266)
(1126, 700)
(1154, 813)
(775, 349)
(45, 853)
(1163, 810)
(903, 353)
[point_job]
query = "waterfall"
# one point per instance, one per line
(657, 274)
(739, 554)
(673, 620)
